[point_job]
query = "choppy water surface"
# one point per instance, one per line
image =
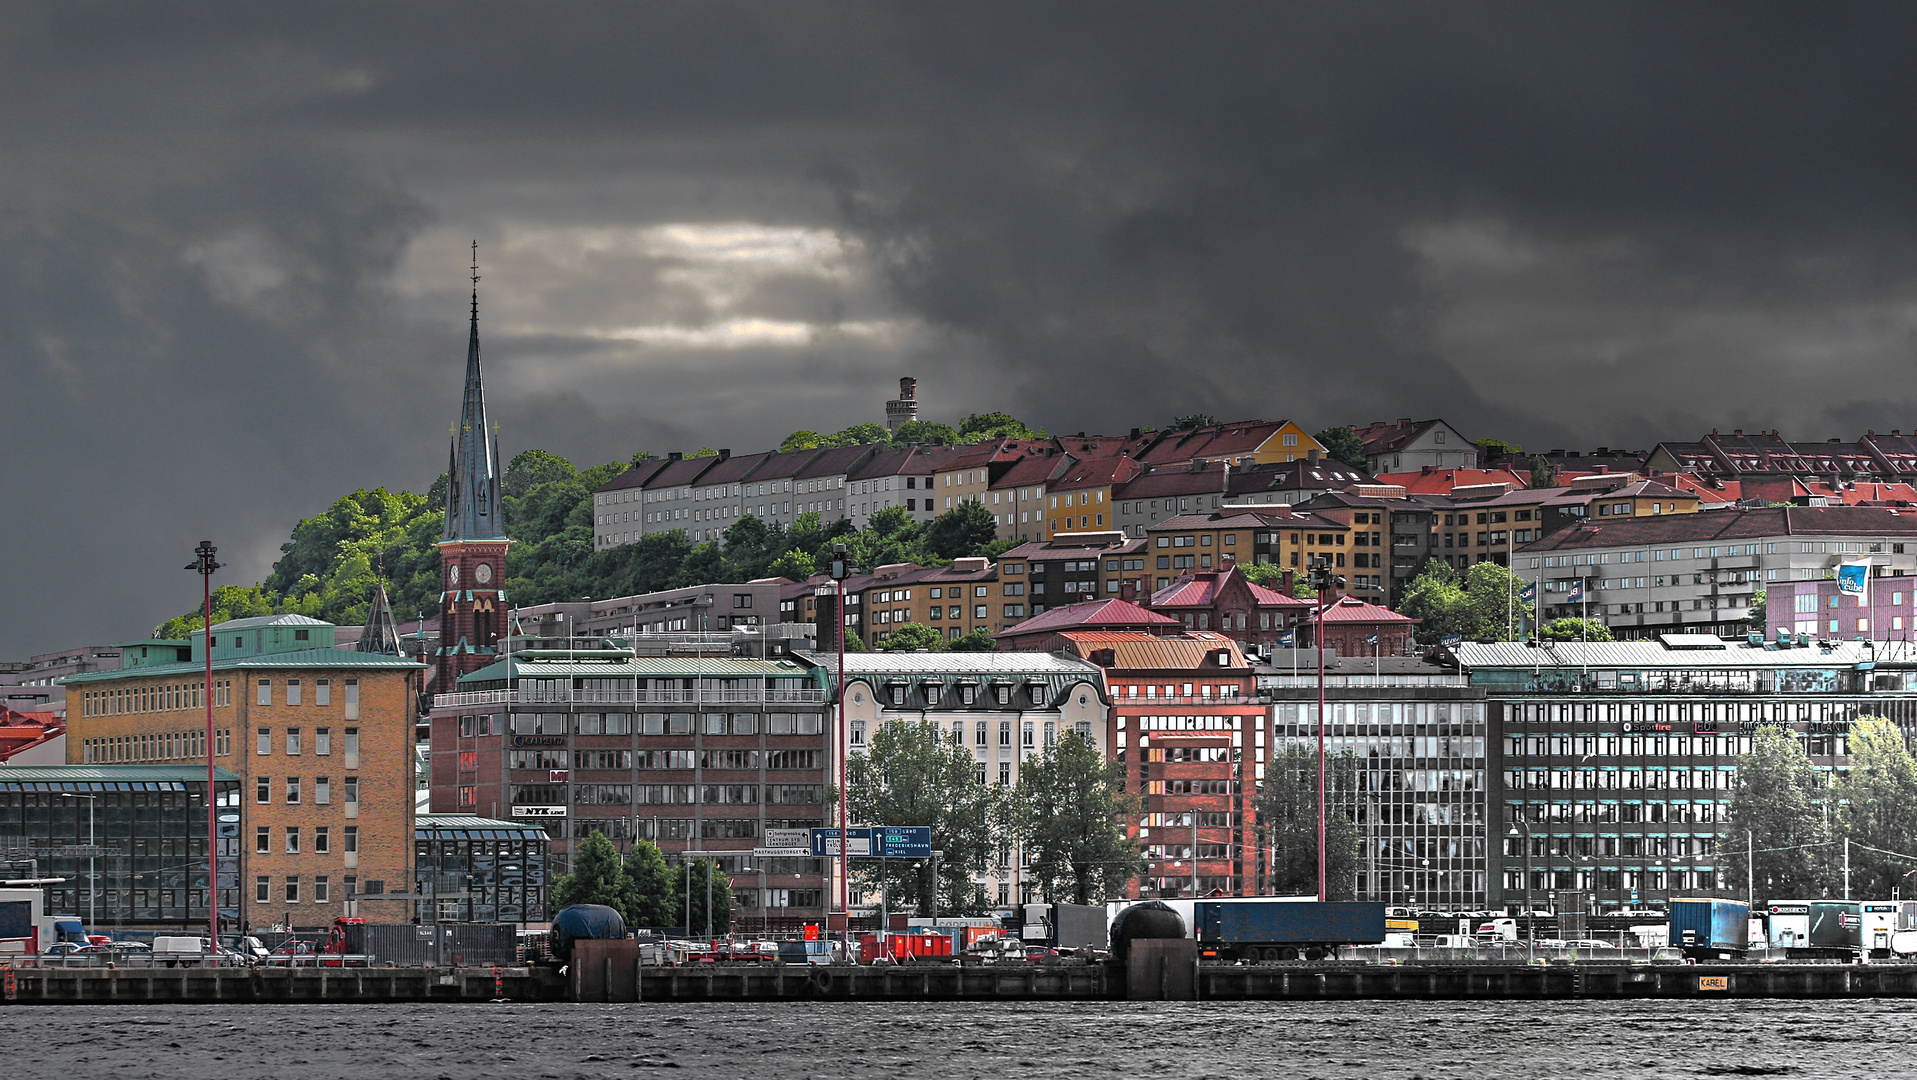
(1368, 1040)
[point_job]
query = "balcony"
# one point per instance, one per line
(641, 696)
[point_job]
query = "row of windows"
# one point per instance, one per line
(322, 840)
(1721, 551)
(322, 790)
(321, 892)
(295, 741)
(663, 723)
(157, 746)
(156, 698)
(665, 759)
(293, 693)
(667, 794)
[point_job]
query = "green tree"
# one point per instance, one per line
(1877, 806)
(909, 775)
(1571, 628)
(793, 565)
(913, 636)
(1344, 444)
(1437, 597)
(646, 883)
(1069, 812)
(924, 433)
(980, 640)
(703, 451)
(978, 427)
(1776, 809)
(1287, 808)
(1266, 574)
(1759, 617)
(962, 531)
(229, 602)
(596, 877)
(531, 468)
(1543, 473)
(801, 440)
(858, 435)
(692, 883)
(1193, 420)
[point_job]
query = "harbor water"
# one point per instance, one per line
(1359, 1040)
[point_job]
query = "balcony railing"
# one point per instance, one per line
(641, 696)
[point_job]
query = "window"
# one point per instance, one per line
(1028, 734)
(292, 888)
(263, 889)
(263, 789)
(352, 707)
(321, 890)
(323, 741)
(292, 741)
(323, 692)
(351, 843)
(857, 734)
(322, 790)
(352, 790)
(292, 790)
(292, 839)
(292, 691)
(265, 696)
(262, 839)
(263, 742)
(352, 746)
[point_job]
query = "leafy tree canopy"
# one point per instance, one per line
(1288, 814)
(1575, 629)
(980, 640)
(1069, 812)
(909, 775)
(1481, 604)
(1343, 444)
(978, 427)
(913, 636)
(1776, 832)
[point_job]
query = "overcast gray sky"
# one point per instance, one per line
(233, 238)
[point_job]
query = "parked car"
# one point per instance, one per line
(132, 947)
(62, 948)
(1036, 953)
(1592, 943)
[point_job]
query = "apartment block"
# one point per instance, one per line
(319, 738)
(897, 476)
(1241, 443)
(694, 753)
(1416, 444)
(1699, 573)
(1073, 567)
(1002, 707)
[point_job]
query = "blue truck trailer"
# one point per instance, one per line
(1710, 929)
(1255, 928)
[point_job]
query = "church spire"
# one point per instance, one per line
(472, 490)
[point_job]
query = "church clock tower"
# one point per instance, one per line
(472, 552)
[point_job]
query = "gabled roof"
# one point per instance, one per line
(1094, 473)
(1161, 481)
(1442, 481)
(682, 473)
(903, 460)
(835, 460)
(1218, 441)
(1382, 438)
(1742, 523)
(1064, 546)
(1233, 517)
(732, 469)
(1037, 469)
(636, 476)
(1324, 474)
(1149, 652)
(1202, 588)
(1350, 609)
(780, 465)
(1093, 613)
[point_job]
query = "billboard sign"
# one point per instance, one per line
(539, 811)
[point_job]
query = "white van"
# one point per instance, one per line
(179, 951)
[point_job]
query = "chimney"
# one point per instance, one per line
(725, 452)
(1227, 562)
(1128, 590)
(676, 455)
(1404, 421)
(1311, 455)
(1285, 581)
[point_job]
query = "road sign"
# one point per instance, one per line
(789, 838)
(784, 852)
(904, 841)
(825, 843)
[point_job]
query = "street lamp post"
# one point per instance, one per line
(93, 883)
(204, 564)
(840, 571)
(1529, 937)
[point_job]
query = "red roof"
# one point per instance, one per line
(21, 731)
(1201, 590)
(1442, 481)
(1111, 612)
(1350, 609)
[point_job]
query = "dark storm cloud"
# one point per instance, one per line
(231, 237)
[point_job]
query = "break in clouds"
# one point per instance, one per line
(234, 239)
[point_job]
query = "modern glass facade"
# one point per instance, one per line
(1421, 798)
(488, 871)
(145, 846)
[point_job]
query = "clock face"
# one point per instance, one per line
(452, 573)
(483, 573)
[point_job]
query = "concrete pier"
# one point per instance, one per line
(610, 976)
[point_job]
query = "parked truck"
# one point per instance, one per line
(1889, 927)
(1251, 928)
(1710, 929)
(27, 930)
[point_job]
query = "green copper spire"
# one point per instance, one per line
(472, 491)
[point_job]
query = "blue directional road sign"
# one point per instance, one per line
(825, 843)
(903, 841)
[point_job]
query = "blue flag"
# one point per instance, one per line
(1529, 592)
(1451, 641)
(1853, 578)
(1372, 639)
(1577, 592)
(1287, 639)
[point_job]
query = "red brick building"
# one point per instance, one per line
(1358, 629)
(1040, 633)
(1187, 725)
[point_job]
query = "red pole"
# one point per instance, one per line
(1320, 642)
(845, 747)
